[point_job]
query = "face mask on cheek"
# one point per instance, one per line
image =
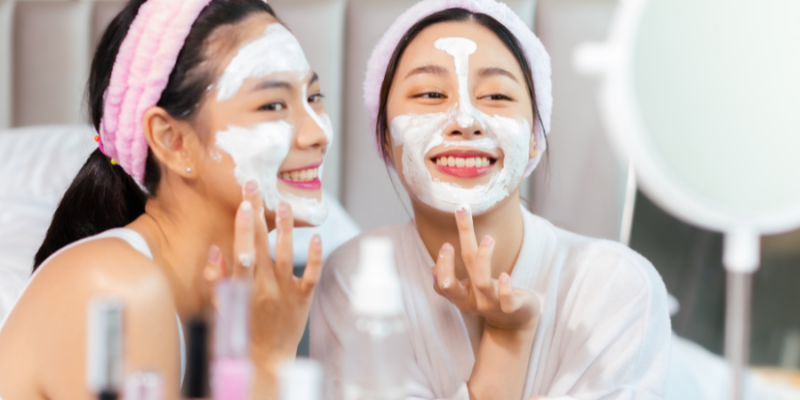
(259, 151)
(418, 134)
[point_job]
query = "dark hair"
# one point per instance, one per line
(102, 196)
(456, 15)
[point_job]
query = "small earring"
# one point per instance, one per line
(189, 170)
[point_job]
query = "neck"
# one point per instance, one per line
(180, 224)
(503, 222)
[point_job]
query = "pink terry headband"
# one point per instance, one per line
(535, 52)
(140, 74)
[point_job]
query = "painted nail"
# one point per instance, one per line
(446, 283)
(213, 254)
(447, 246)
(487, 241)
(463, 210)
(247, 208)
(316, 242)
(246, 260)
(251, 187)
(504, 278)
(283, 209)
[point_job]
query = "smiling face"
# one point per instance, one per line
(265, 120)
(460, 118)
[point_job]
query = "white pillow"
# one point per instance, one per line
(37, 165)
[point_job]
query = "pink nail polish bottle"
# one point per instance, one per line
(231, 370)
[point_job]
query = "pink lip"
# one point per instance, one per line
(310, 185)
(466, 173)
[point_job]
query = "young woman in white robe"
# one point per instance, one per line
(500, 303)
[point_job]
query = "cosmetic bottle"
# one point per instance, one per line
(231, 370)
(300, 380)
(104, 348)
(144, 385)
(376, 365)
(195, 383)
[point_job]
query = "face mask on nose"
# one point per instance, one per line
(418, 134)
(259, 151)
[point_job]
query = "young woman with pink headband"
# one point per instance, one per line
(211, 132)
(500, 303)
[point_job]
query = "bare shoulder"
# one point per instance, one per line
(49, 321)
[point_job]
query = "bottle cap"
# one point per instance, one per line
(232, 326)
(104, 345)
(376, 285)
(301, 380)
(195, 383)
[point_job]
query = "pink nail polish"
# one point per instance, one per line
(251, 187)
(213, 254)
(283, 210)
(487, 241)
(247, 208)
(504, 278)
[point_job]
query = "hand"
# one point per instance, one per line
(281, 302)
(502, 306)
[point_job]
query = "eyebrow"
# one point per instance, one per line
(428, 69)
(272, 85)
(313, 79)
(484, 72)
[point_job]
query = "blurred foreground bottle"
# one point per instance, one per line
(104, 348)
(231, 370)
(301, 380)
(376, 363)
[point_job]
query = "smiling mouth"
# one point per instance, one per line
(464, 164)
(306, 178)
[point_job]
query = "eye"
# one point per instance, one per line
(314, 98)
(276, 106)
(498, 96)
(430, 95)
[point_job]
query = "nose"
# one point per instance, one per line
(467, 128)
(311, 129)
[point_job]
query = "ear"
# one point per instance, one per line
(170, 140)
(532, 152)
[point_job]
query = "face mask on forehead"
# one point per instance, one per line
(418, 134)
(258, 151)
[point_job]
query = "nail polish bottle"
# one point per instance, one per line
(104, 348)
(195, 383)
(231, 370)
(144, 385)
(300, 379)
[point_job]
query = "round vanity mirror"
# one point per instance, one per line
(703, 96)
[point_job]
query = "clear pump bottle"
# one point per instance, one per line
(231, 370)
(104, 344)
(376, 364)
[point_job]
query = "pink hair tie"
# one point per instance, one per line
(535, 52)
(141, 71)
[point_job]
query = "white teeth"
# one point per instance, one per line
(472, 162)
(305, 175)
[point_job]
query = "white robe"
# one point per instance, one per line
(604, 331)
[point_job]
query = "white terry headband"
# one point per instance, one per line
(537, 57)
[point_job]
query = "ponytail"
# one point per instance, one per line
(103, 196)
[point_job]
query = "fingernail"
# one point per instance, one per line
(504, 278)
(316, 242)
(251, 187)
(246, 260)
(447, 246)
(283, 209)
(213, 254)
(446, 283)
(247, 208)
(487, 241)
(463, 210)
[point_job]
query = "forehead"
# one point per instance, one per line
(491, 51)
(224, 43)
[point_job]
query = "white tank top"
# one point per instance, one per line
(136, 241)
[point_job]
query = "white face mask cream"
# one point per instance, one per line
(259, 151)
(418, 134)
